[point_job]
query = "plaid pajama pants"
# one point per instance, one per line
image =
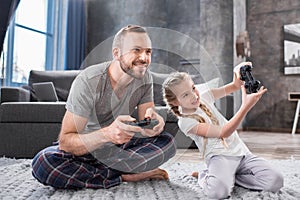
(102, 168)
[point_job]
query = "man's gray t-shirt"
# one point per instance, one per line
(91, 96)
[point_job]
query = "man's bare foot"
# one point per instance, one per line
(158, 174)
(195, 174)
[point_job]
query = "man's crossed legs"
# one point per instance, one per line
(109, 166)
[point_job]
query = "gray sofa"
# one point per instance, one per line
(27, 126)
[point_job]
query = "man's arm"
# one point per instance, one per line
(70, 139)
(73, 141)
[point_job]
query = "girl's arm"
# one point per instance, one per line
(209, 130)
(230, 87)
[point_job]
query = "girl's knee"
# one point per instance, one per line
(275, 183)
(216, 189)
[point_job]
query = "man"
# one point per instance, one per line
(97, 147)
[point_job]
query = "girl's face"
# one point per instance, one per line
(187, 95)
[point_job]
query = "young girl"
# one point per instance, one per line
(228, 159)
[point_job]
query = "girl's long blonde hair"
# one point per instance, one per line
(169, 97)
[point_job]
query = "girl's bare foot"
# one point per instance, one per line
(195, 174)
(158, 174)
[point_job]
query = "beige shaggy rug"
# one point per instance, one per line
(16, 182)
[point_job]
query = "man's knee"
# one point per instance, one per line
(39, 167)
(170, 145)
(44, 163)
(168, 137)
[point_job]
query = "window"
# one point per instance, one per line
(30, 40)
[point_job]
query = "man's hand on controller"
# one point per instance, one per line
(150, 113)
(155, 120)
(119, 132)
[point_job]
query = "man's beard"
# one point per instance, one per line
(129, 70)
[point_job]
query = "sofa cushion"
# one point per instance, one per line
(214, 83)
(62, 81)
(32, 112)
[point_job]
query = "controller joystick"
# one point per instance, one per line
(251, 85)
(147, 123)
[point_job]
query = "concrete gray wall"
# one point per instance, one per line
(239, 25)
(207, 31)
(198, 30)
(265, 21)
(202, 29)
(105, 18)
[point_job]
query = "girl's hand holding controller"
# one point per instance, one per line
(237, 76)
(249, 100)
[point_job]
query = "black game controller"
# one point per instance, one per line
(147, 123)
(251, 85)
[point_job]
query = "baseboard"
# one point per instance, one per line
(273, 130)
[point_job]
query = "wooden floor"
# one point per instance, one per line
(265, 144)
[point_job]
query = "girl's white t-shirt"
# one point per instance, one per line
(214, 146)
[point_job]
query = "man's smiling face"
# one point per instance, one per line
(135, 54)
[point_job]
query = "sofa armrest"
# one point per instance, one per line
(166, 114)
(225, 106)
(32, 112)
(14, 94)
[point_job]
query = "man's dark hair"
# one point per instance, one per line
(127, 29)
